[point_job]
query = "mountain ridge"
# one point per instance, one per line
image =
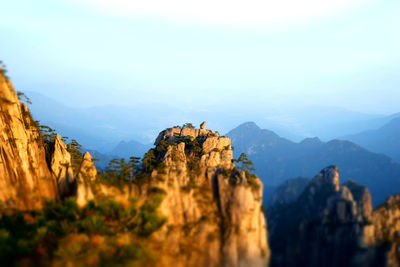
(277, 159)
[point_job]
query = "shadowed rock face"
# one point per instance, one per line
(289, 191)
(333, 225)
(323, 227)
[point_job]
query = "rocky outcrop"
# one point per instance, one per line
(61, 167)
(86, 178)
(325, 226)
(213, 210)
(25, 178)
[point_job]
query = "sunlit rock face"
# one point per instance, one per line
(213, 210)
(31, 170)
(325, 226)
(86, 177)
(25, 178)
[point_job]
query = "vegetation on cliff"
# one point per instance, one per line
(105, 232)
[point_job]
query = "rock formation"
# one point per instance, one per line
(213, 209)
(325, 226)
(334, 225)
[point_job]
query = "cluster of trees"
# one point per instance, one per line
(244, 164)
(185, 125)
(64, 234)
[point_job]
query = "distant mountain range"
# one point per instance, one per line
(277, 159)
(129, 149)
(384, 140)
(103, 127)
(122, 150)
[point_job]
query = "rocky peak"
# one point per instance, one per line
(328, 177)
(212, 150)
(175, 133)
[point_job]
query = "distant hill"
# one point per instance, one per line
(277, 159)
(384, 140)
(122, 150)
(102, 159)
(288, 191)
(130, 148)
(96, 128)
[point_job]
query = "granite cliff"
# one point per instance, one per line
(25, 177)
(33, 167)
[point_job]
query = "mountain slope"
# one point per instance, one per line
(277, 159)
(129, 149)
(384, 140)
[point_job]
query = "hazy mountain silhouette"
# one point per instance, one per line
(277, 159)
(103, 127)
(130, 148)
(384, 140)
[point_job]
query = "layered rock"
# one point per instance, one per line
(213, 210)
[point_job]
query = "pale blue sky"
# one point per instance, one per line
(257, 54)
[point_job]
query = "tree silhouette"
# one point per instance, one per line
(188, 125)
(244, 163)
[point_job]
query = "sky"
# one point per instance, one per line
(205, 54)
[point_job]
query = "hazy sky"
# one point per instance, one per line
(206, 53)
